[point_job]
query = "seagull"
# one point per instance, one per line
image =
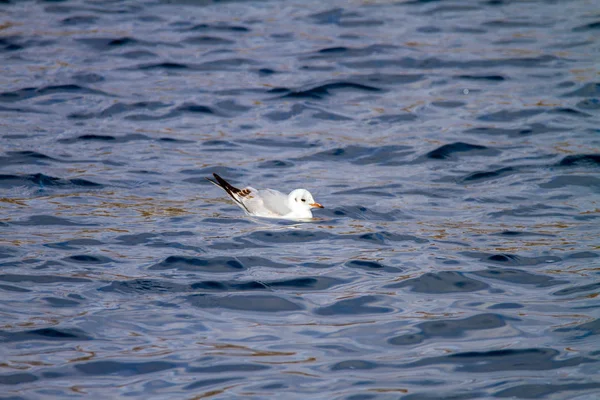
(270, 203)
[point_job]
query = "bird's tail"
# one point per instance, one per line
(231, 190)
(223, 184)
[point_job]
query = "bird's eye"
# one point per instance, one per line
(303, 200)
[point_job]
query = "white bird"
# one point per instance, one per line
(270, 203)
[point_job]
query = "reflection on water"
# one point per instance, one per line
(453, 144)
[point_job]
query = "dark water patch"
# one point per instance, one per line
(231, 106)
(356, 306)
(11, 43)
(11, 288)
(60, 302)
(114, 110)
(209, 382)
(323, 90)
(436, 63)
(169, 66)
(506, 306)
(219, 26)
(392, 119)
(105, 368)
(376, 191)
(580, 160)
(253, 303)
(27, 93)
(592, 26)
(7, 252)
(266, 71)
(441, 282)
(533, 129)
(532, 359)
(362, 213)
(368, 265)
(584, 330)
(21, 110)
(139, 55)
(141, 286)
(15, 278)
(136, 239)
(17, 379)
(294, 111)
(582, 254)
(482, 176)
(274, 142)
(41, 180)
(360, 155)
(298, 109)
(578, 289)
(44, 334)
(428, 29)
(47, 220)
(275, 164)
(589, 104)
(569, 111)
(173, 140)
(449, 328)
(510, 116)
(26, 157)
(188, 108)
(226, 64)
(208, 41)
(194, 108)
(295, 284)
(456, 395)
(109, 43)
(449, 151)
(288, 236)
(379, 79)
(332, 16)
(214, 264)
(564, 181)
(588, 90)
(348, 52)
(538, 391)
(505, 23)
(489, 78)
(86, 259)
(506, 259)
(523, 234)
(533, 211)
(217, 143)
(383, 237)
(518, 277)
(448, 104)
(79, 20)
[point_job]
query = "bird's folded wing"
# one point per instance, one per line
(267, 201)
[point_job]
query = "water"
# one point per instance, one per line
(454, 145)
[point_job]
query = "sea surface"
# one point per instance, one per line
(454, 144)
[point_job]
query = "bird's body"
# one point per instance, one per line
(270, 203)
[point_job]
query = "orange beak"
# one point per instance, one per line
(316, 205)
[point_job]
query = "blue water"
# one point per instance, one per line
(455, 146)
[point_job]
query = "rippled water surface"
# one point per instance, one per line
(454, 144)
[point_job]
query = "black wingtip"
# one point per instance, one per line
(225, 185)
